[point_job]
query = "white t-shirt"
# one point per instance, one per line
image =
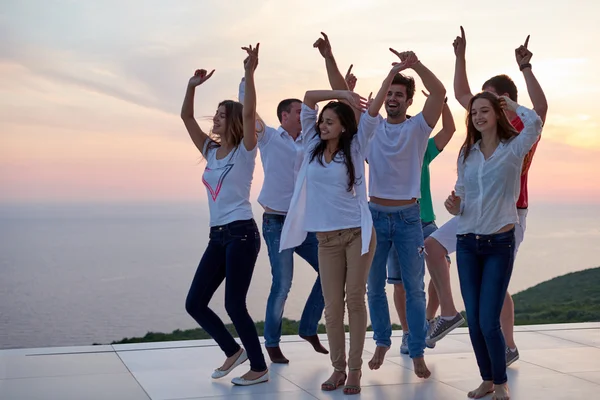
(396, 157)
(228, 184)
(330, 205)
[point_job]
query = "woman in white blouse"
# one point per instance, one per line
(486, 191)
(330, 199)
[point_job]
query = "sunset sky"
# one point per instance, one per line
(90, 91)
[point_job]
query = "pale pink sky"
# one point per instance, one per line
(90, 92)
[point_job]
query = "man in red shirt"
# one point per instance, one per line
(443, 241)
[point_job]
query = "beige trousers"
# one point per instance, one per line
(344, 274)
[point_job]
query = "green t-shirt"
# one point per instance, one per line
(427, 214)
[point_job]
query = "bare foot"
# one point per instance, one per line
(483, 390)
(378, 357)
(316, 343)
(501, 392)
(252, 375)
(421, 369)
(230, 360)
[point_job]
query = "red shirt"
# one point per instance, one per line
(523, 198)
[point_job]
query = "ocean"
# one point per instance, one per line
(77, 274)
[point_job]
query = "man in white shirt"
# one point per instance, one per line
(281, 153)
(395, 159)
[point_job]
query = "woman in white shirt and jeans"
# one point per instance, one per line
(330, 199)
(486, 191)
(234, 241)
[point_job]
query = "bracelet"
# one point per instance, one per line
(526, 65)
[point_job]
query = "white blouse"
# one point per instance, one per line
(489, 189)
(300, 216)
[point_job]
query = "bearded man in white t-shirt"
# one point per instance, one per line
(395, 160)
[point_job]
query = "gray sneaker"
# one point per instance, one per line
(404, 345)
(443, 327)
(511, 356)
(430, 326)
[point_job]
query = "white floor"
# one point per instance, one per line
(557, 362)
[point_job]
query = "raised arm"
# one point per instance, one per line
(536, 94)
(312, 97)
(433, 105)
(187, 109)
(261, 126)
(462, 91)
(442, 138)
(532, 126)
(249, 110)
(336, 79)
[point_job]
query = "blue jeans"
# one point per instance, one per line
(282, 271)
(393, 260)
(400, 226)
(231, 256)
(485, 264)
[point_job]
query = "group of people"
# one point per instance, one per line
(316, 205)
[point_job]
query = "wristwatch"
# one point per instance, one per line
(523, 66)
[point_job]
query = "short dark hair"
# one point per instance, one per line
(408, 82)
(285, 105)
(502, 84)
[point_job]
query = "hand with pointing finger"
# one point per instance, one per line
(522, 53)
(324, 46)
(460, 44)
(408, 60)
(355, 100)
(350, 79)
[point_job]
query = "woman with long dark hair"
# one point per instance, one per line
(234, 241)
(485, 197)
(330, 199)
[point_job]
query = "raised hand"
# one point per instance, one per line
(460, 44)
(522, 53)
(200, 76)
(350, 79)
(408, 59)
(251, 62)
(452, 204)
(324, 46)
(507, 104)
(356, 100)
(369, 100)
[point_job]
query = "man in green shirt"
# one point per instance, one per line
(435, 145)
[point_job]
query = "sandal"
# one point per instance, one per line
(329, 385)
(353, 389)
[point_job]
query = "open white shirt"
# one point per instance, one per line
(228, 183)
(396, 157)
(281, 158)
(325, 197)
(489, 189)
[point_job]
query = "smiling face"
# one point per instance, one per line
(220, 121)
(396, 101)
(483, 115)
(330, 125)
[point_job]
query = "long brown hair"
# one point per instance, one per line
(505, 130)
(234, 124)
(347, 119)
